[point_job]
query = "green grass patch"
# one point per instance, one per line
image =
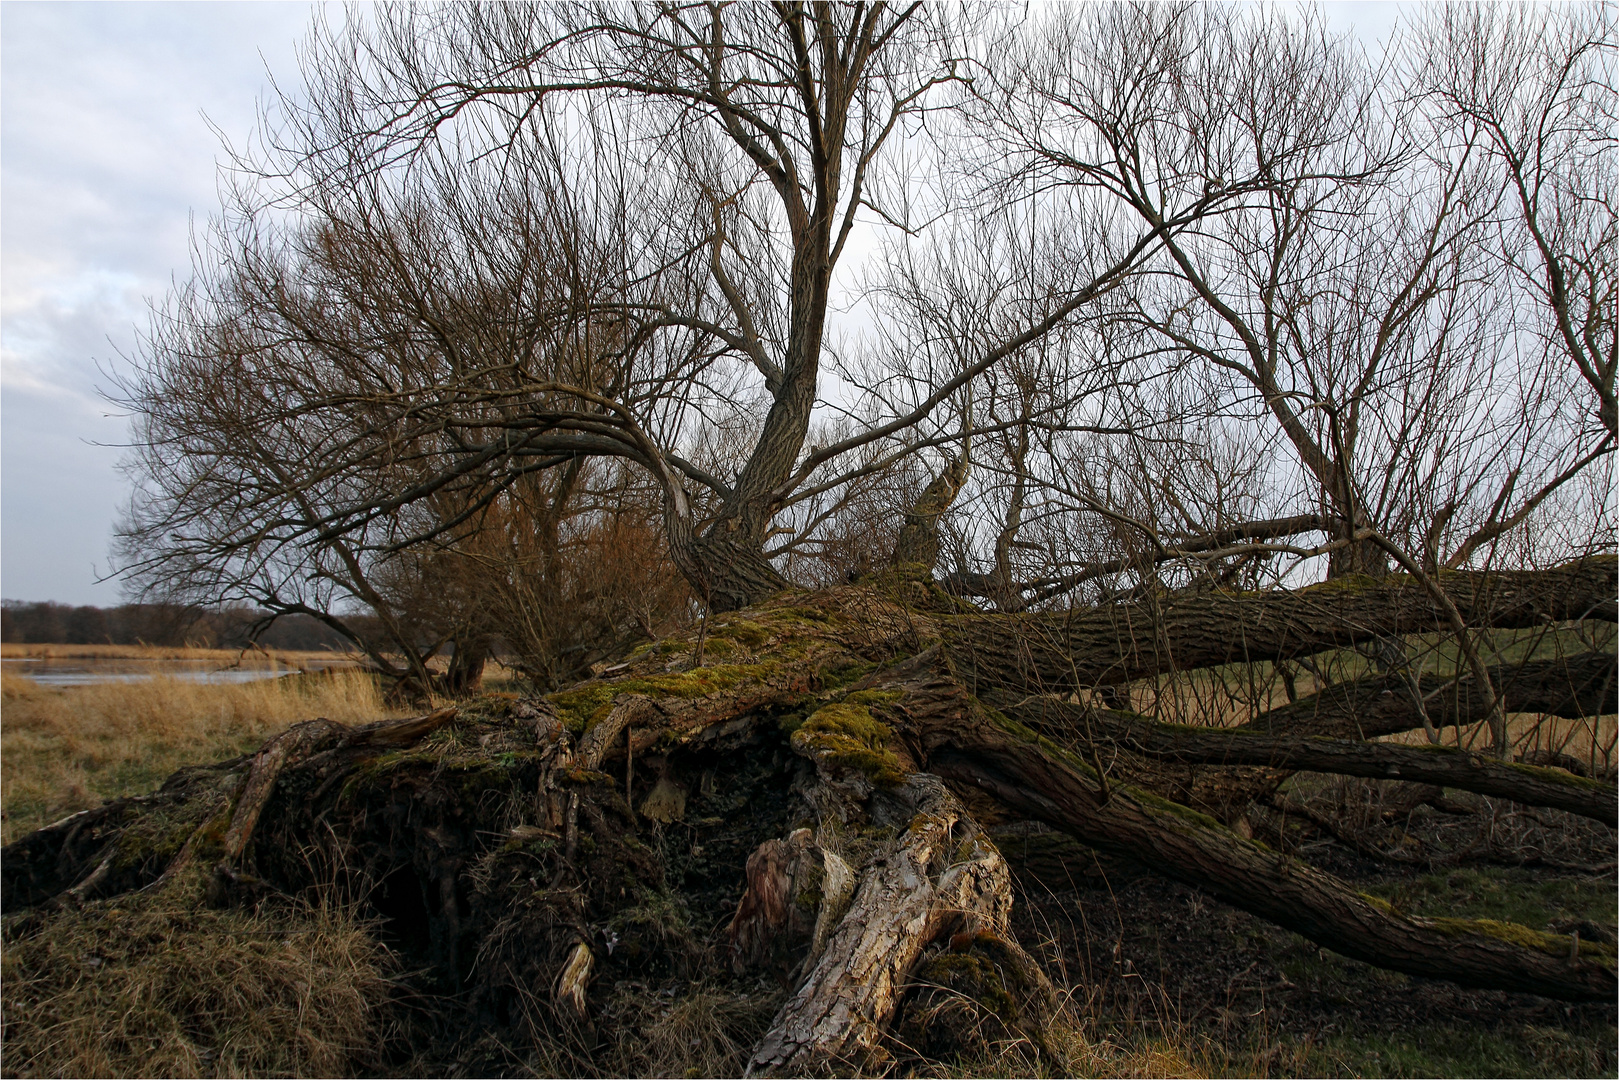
(1438, 1050)
(1506, 894)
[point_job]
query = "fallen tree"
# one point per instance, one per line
(824, 778)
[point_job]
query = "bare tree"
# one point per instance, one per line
(1189, 307)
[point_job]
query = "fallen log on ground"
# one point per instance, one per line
(521, 851)
(1447, 766)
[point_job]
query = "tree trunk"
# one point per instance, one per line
(1583, 684)
(806, 790)
(467, 662)
(1443, 765)
(1062, 652)
(916, 551)
(942, 877)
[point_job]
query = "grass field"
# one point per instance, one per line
(252, 657)
(67, 749)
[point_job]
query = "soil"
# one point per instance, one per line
(1152, 959)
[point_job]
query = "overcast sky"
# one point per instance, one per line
(105, 156)
(105, 153)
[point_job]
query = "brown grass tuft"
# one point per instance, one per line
(156, 987)
(67, 749)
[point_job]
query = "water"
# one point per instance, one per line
(83, 671)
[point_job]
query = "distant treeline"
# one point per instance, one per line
(49, 623)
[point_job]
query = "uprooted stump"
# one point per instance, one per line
(795, 832)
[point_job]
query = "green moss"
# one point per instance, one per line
(974, 976)
(588, 776)
(576, 707)
(586, 705)
(1028, 734)
(1349, 583)
(1523, 936)
(743, 631)
(1516, 933)
(848, 736)
(1556, 776)
(873, 697)
(854, 721)
(1185, 813)
(807, 615)
(718, 647)
(844, 671)
(1073, 761)
(1382, 905)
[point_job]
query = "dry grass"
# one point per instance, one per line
(162, 988)
(1083, 1055)
(1590, 741)
(67, 749)
(248, 658)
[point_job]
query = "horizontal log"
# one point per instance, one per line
(1057, 652)
(1585, 684)
(1447, 766)
(956, 738)
(400, 733)
(971, 583)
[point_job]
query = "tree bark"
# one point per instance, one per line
(1443, 765)
(943, 877)
(844, 699)
(916, 551)
(467, 662)
(1062, 652)
(1584, 684)
(955, 738)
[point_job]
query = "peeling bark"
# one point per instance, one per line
(942, 877)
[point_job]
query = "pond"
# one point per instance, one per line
(88, 671)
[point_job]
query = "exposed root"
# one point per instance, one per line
(942, 877)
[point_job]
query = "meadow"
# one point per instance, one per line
(67, 749)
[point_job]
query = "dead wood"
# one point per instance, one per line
(1443, 765)
(1584, 684)
(963, 743)
(294, 744)
(809, 791)
(769, 923)
(942, 877)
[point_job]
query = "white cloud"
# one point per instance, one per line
(105, 157)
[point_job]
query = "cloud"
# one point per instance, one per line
(106, 161)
